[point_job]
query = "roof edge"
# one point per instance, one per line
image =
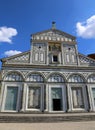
(13, 56)
(54, 31)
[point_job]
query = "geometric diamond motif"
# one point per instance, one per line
(20, 58)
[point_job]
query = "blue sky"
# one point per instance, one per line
(21, 18)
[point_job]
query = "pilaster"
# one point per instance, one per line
(24, 97)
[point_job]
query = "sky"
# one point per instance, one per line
(21, 18)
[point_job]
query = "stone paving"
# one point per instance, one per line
(49, 126)
(84, 125)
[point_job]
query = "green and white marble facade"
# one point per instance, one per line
(51, 77)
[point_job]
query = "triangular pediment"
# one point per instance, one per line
(53, 35)
(84, 60)
(21, 58)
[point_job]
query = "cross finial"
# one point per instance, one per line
(53, 25)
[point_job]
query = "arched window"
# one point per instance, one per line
(91, 78)
(35, 78)
(13, 76)
(55, 78)
(76, 78)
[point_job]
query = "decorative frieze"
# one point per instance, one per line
(66, 74)
(39, 46)
(69, 48)
(52, 36)
(46, 74)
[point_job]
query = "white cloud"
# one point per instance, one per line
(11, 52)
(6, 34)
(86, 29)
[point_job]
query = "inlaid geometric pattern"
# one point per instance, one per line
(69, 48)
(55, 78)
(85, 60)
(75, 78)
(66, 74)
(91, 78)
(13, 77)
(46, 73)
(35, 78)
(39, 46)
(20, 59)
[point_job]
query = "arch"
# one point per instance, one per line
(91, 78)
(76, 78)
(56, 77)
(13, 76)
(35, 77)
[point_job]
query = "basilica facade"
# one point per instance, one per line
(51, 77)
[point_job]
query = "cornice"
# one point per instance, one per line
(48, 67)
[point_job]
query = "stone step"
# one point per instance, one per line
(44, 118)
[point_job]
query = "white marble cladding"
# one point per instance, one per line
(86, 76)
(69, 54)
(22, 59)
(38, 89)
(64, 72)
(39, 53)
(85, 60)
(39, 46)
(50, 36)
(69, 48)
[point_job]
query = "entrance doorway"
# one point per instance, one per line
(56, 98)
(56, 104)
